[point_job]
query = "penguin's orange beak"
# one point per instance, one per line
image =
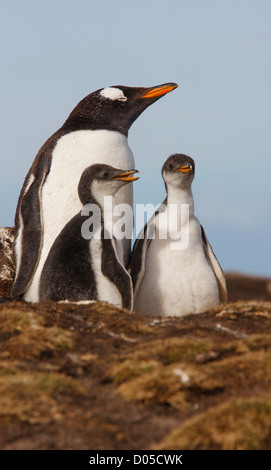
(185, 169)
(160, 90)
(126, 176)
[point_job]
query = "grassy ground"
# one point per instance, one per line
(96, 377)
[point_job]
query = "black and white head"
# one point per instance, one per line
(114, 108)
(101, 180)
(178, 171)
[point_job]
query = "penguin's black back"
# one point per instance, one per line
(67, 273)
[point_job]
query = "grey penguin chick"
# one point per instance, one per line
(83, 263)
(96, 131)
(173, 267)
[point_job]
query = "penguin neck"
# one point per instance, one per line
(79, 123)
(105, 202)
(179, 196)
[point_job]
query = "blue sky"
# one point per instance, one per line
(56, 52)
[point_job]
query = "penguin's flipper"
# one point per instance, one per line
(115, 272)
(216, 268)
(136, 266)
(28, 227)
(137, 262)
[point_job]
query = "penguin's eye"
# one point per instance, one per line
(170, 166)
(105, 174)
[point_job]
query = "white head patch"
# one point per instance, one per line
(113, 94)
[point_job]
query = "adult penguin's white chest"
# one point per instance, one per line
(59, 198)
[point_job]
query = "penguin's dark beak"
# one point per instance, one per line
(160, 90)
(126, 176)
(185, 169)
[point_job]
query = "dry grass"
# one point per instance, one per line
(27, 335)
(34, 397)
(94, 374)
(240, 424)
(172, 349)
(178, 371)
(247, 308)
(174, 385)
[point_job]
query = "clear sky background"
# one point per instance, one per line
(56, 52)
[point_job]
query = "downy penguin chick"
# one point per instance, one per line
(173, 267)
(83, 263)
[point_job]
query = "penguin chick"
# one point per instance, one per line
(173, 267)
(84, 265)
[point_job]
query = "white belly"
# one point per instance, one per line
(177, 282)
(59, 201)
(106, 290)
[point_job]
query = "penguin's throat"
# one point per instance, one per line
(178, 196)
(106, 201)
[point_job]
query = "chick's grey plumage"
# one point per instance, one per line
(168, 280)
(76, 268)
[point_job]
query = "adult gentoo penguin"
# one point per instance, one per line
(168, 278)
(87, 267)
(95, 132)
